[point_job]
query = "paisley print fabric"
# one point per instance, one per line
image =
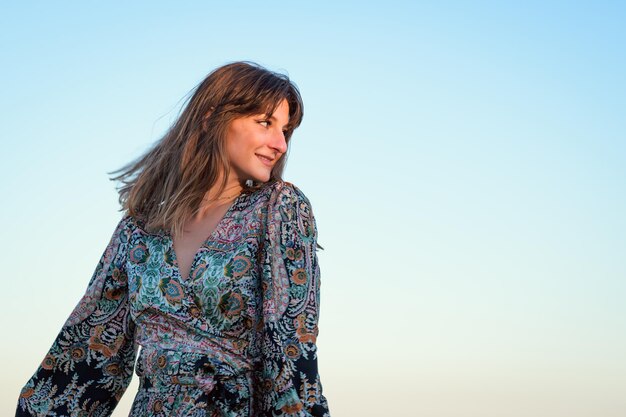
(237, 338)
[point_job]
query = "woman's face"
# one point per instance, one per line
(254, 144)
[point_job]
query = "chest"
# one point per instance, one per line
(221, 288)
(196, 233)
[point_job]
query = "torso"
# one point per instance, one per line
(197, 231)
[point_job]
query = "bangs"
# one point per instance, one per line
(270, 102)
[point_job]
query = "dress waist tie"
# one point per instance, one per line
(157, 366)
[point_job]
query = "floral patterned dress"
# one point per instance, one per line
(237, 338)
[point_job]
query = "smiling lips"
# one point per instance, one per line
(267, 161)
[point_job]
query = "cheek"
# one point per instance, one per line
(234, 140)
(241, 147)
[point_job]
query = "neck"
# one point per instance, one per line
(232, 189)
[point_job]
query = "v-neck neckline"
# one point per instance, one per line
(210, 238)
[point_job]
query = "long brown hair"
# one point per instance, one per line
(165, 186)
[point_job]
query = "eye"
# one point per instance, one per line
(265, 121)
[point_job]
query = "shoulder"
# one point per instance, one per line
(285, 193)
(124, 224)
(131, 224)
(127, 226)
(128, 223)
(288, 203)
(123, 231)
(290, 208)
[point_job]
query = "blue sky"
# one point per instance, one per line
(465, 162)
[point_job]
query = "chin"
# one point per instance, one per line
(263, 177)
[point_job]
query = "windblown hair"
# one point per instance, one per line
(166, 186)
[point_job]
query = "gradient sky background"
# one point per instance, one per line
(466, 163)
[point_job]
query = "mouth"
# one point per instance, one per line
(267, 161)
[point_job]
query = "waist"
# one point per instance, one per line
(157, 366)
(155, 329)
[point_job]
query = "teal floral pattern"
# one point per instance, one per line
(236, 338)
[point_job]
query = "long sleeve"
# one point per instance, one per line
(290, 383)
(90, 363)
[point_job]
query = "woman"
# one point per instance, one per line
(212, 271)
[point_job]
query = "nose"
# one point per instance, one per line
(279, 142)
